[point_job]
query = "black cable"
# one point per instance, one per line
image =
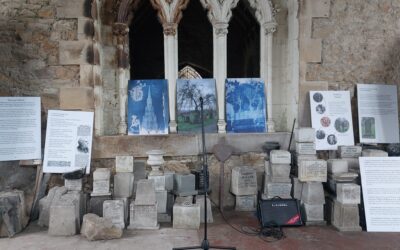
(270, 233)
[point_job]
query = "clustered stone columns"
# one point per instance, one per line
(265, 15)
(169, 14)
(219, 14)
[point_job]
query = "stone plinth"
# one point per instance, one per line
(143, 217)
(313, 193)
(115, 211)
(244, 181)
(280, 157)
(185, 184)
(313, 214)
(348, 193)
(345, 218)
(312, 170)
(186, 217)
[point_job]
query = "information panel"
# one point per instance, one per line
(68, 141)
(331, 118)
(378, 117)
(20, 130)
(381, 193)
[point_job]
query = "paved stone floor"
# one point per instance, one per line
(316, 237)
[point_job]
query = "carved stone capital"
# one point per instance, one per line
(219, 11)
(264, 10)
(221, 29)
(170, 29)
(169, 13)
(269, 27)
(121, 31)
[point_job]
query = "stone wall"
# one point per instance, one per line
(359, 43)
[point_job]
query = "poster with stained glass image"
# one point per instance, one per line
(331, 118)
(188, 93)
(148, 107)
(245, 105)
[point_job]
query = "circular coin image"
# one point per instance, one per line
(320, 134)
(320, 109)
(318, 97)
(342, 125)
(325, 121)
(331, 139)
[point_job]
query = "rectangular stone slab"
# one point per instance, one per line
(349, 151)
(244, 181)
(186, 217)
(115, 211)
(73, 184)
(305, 134)
(143, 217)
(123, 185)
(312, 170)
(305, 148)
(337, 166)
(246, 202)
(145, 193)
(280, 157)
(124, 164)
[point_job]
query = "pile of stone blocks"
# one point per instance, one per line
(244, 187)
(311, 173)
(277, 175)
(13, 213)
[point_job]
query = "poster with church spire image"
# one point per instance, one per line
(245, 105)
(148, 107)
(188, 93)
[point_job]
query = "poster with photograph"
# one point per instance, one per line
(380, 187)
(331, 118)
(20, 128)
(245, 105)
(188, 93)
(148, 112)
(378, 117)
(68, 145)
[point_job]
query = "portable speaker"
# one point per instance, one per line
(279, 212)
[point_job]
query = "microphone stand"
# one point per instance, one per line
(205, 244)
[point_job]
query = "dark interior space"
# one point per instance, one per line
(195, 40)
(243, 43)
(146, 41)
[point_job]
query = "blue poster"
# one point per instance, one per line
(188, 93)
(148, 112)
(245, 105)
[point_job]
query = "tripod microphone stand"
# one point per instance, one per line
(205, 244)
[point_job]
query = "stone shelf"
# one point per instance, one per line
(181, 145)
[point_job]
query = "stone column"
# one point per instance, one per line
(265, 14)
(169, 14)
(219, 14)
(121, 31)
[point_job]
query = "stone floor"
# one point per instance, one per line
(322, 237)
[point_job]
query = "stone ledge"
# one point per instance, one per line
(180, 145)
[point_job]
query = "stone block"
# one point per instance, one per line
(305, 134)
(184, 184)
(349, 151)
(64, 217)
(353, 164)
(13, 217)
(246, 203)
(336, 166)
(70, 9)
(312, 170)
(184, 200)
(169, 180)
(80, 98)
(345, 218)
(73, 184)
(186, 217)
(123, 185)
(45, 203)
(200, 202)
(127, 202)
(280, 170)
(298, 158)
(313, 193)
(374, 153)
(161, 197)
(281, 190)
(297, 188)
(143, 216)
(97, 228)
(72, 52)
(244, 181)
(96, 204)
(124, 164)
(115, 211)
(280, 157)
(348, 193)
(159, 181)
(145, 193)
(305, 148)
(312, 212)
(139, 172)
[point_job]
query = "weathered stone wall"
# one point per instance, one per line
(360, 43)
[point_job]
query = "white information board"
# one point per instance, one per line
(68, 141)
(378, 117)
(20, 129)
(381, 193)
(331, 118)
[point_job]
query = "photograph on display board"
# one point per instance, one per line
(148, 112)
(331, 117)
(188, 93)
(245, 105)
